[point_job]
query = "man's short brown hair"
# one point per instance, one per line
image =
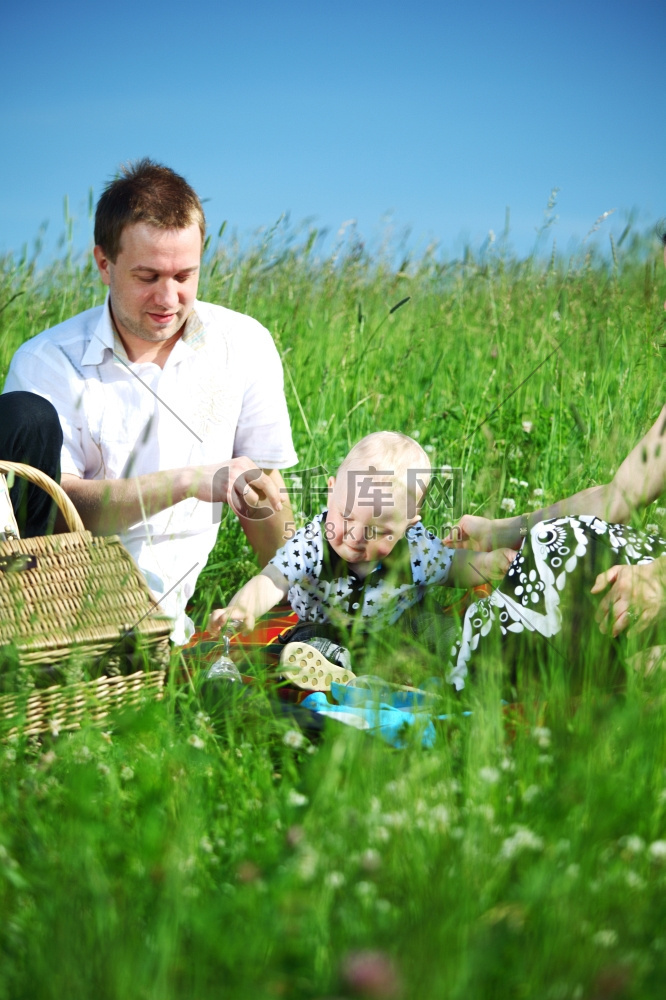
(145, 192)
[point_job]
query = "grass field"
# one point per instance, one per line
(521, 856)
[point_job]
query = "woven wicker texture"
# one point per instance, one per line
(72, 590)
(59, 708)
(74, 604)
(67, 508)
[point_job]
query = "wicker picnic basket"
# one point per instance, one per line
(79, 630)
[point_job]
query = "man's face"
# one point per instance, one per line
(362, 536)
(154, 280)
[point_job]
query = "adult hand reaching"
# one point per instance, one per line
(636, 599)
(471, 532)
(238, 482)
(484, 535)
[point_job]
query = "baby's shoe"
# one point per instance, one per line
(316, 664)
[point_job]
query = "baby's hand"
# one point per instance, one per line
(219, 618)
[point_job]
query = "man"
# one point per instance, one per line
(161, 397)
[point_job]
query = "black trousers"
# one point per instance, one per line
(30, 432)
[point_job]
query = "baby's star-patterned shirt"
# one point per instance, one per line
(323, 587)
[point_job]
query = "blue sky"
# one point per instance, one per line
(434, 117)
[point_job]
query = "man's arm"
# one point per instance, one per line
(108, 506)
(269, 534)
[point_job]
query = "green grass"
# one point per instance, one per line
(171, 858)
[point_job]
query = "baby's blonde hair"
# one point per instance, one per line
(390, 458)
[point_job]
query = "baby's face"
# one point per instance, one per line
(367, 532)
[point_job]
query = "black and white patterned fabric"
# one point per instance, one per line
(320, 580)
(529, 598)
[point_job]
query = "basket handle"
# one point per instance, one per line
(67, 508)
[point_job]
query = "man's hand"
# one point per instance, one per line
(636, 597)
(248, 490)
(471, 532)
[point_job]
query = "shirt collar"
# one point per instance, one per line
(105, 337)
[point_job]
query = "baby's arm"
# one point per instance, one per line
(471, 569)
(253, 600)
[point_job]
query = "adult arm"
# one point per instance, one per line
(640, 479)
(268, 534)
(108, 506)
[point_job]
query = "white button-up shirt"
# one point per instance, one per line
(219, 395)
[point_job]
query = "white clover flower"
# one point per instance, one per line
(606, 938)
(542, 735)
(206, 845)
(371, 860)
(507, 764)
(295, 798)
(308, 861)
(531, 793)
(657, 850)
(527, 426)
(294, 739)
(416, 435)
(513, 480)
(195, 741)
(335, 880)
(490, 775)
(537, 492)
(634, 880)
(381, 834)
(47, 759)
(660, 511)
(522, 840)
(429, 448)
(652, 529)
(396, 819)
(508, 504)
(633, 844)
(365, 889)
(440, 816)
(556, 316)
(572, 870)
(523, 483)
(126, 773)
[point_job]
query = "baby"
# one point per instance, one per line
(367, 557)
